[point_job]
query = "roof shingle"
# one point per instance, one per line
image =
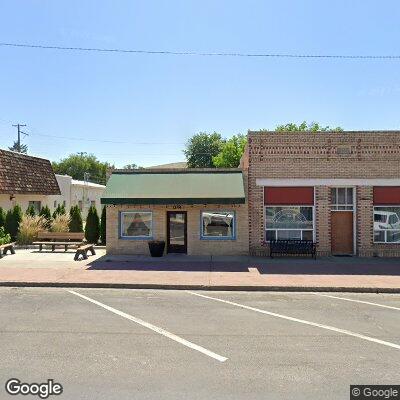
(23, 174)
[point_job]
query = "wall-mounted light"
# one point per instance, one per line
(12, 197)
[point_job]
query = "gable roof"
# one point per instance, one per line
(23, 174)
(187, 186)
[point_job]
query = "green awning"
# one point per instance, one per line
(172, 187)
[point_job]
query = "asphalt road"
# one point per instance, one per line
(109, 344)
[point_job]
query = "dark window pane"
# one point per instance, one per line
(307, 235)
(270, 235)
(136, 224)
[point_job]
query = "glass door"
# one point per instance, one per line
(176, 231)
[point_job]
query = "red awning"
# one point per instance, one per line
(289, 196)
(387, 195)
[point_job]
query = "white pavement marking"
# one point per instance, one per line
(154, 328)
(357, 301)
(303, 321)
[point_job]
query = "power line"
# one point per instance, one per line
(203, 54)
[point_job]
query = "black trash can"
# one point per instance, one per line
(156, 248)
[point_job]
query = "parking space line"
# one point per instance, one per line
(154, 328)
(302, 321)
(358, 301)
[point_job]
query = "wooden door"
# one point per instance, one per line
(342, 232)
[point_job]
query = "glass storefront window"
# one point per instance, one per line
(289, 222)
(217, 224)
(387, 224)
(136, 224)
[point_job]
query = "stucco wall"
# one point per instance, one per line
(195, 245)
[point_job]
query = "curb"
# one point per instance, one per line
(202, 287)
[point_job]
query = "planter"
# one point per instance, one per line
(156, 248)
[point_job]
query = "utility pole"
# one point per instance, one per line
(19, 126)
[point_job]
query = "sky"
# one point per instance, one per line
(142, 108)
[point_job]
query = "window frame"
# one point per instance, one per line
(345, 206)
(142, 237)
(232, 237)
(285, 229)
(383, 230)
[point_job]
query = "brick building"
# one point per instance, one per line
(197, 212)
(340, 189)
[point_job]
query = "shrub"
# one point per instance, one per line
(4, 237)
(2, 217)
(29, 228)
(75, 224)
(60, 223)
(46, 214)
(60, 210)
(30, 211)
(13, 218)
(103, 226)
(92, 228)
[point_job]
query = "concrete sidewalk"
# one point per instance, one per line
(31, 268)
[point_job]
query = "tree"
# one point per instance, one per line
(201, 148)
(46, 214)
(13, 219)
(231, 152)
(131, 166)
(22, 149)
(92, 227)
(103, 226)
(76, 165)
(75, 223)
(306, 127)
(2, 217)
(30, 211)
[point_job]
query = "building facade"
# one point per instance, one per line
(341, 190)
(196, 212)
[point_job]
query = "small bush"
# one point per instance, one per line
(13, 218)
(76, 223)
(30, 211)
(92, 228)
(103, 226)
(46, 214)
(4, 237)
(60, 223)
(60, 210)
(29, 228)
(2, 217)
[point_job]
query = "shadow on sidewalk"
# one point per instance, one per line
(261, 265)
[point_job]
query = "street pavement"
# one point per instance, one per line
(155, 344)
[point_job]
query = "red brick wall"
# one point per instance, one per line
(346, 155)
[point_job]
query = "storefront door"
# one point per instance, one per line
(342, 221)
(176, 232)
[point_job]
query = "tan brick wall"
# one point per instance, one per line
(288, 155)
(195, 245)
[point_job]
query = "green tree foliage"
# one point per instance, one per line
(13, 219)
(2, 217)
(92, 227)
(231, 152)
(46, 214)
(131, 166)
(23, 149)
(103, 226)
(4, 237)
(60, 210)
(201, 148)
(30, 211)
(306, 127)
(76, 165)
(75, 223)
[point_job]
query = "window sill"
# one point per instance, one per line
(142, 238)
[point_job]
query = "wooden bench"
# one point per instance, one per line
(4, 248)
(83, 250)
(291, 247)
(54, 239)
